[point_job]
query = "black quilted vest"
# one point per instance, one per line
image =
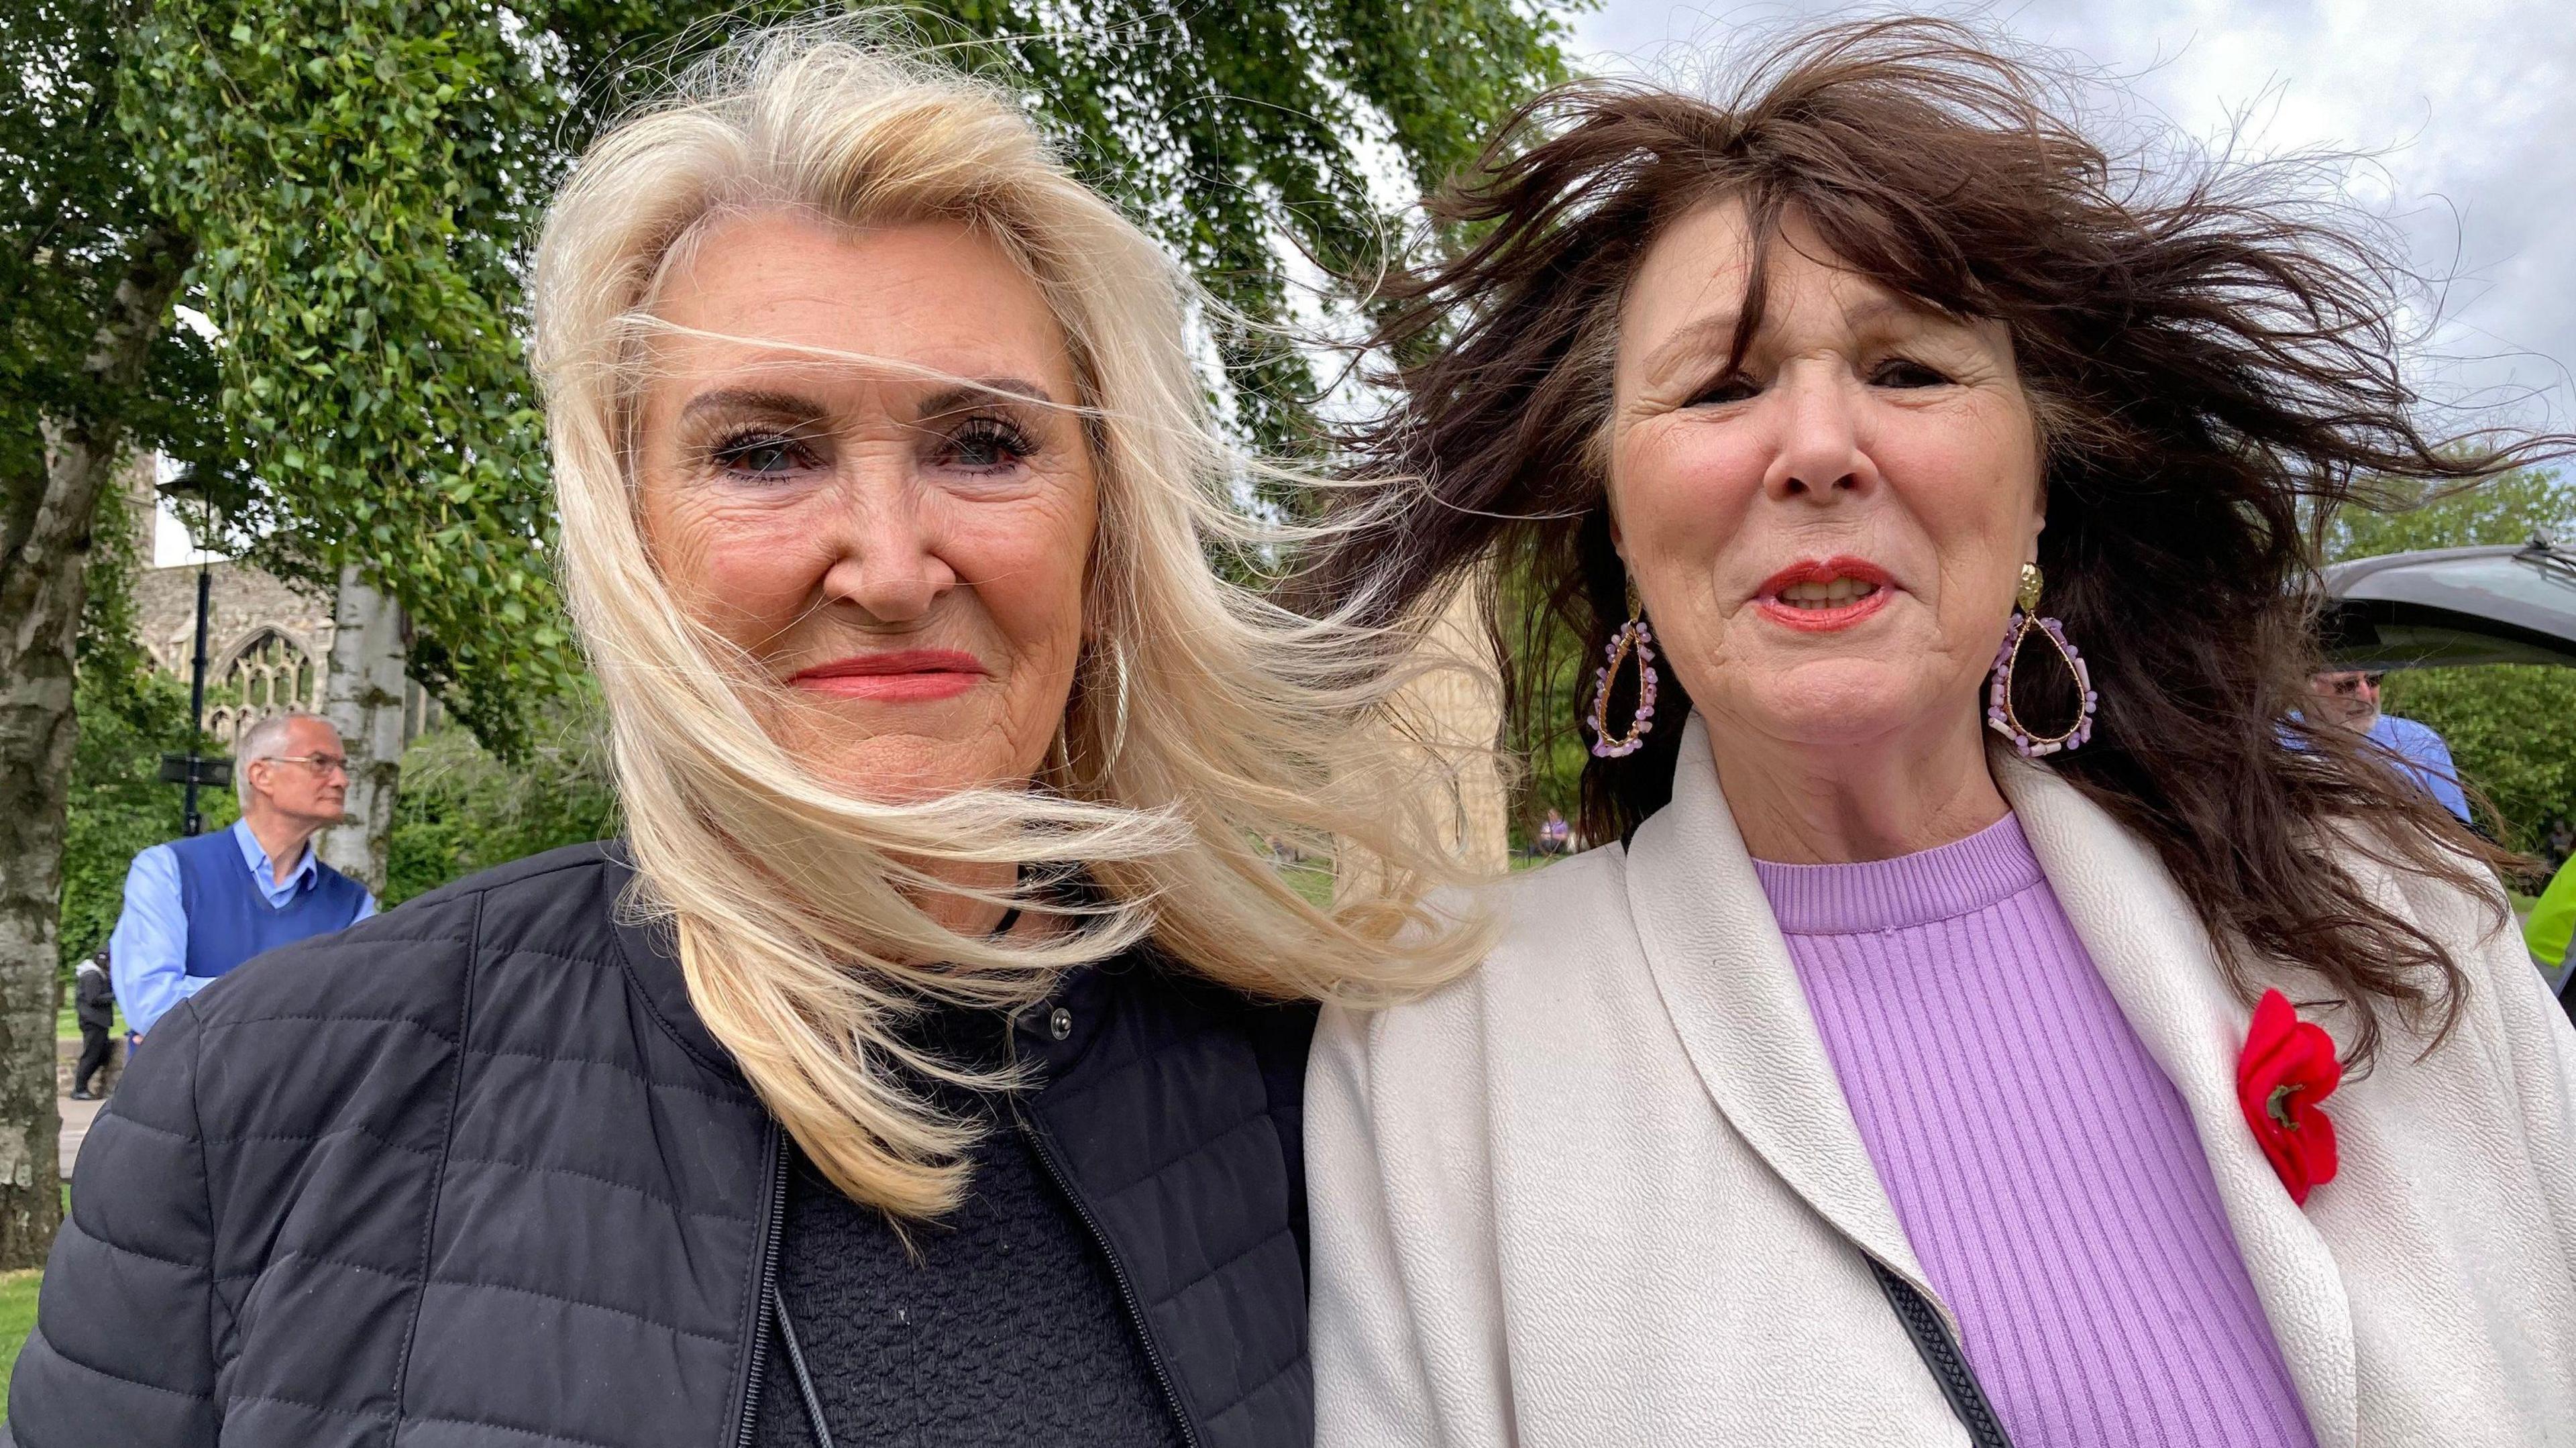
(474, 1173)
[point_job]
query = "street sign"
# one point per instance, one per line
(191, 769)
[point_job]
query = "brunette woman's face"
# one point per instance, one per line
(899, 543)
(1827, 541)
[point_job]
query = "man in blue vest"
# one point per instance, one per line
(195, 908)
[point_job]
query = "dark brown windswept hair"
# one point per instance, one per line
(2213, 361)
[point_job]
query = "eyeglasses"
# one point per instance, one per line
(2348, 685)
(318, 763)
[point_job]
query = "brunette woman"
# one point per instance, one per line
(1947, 1049)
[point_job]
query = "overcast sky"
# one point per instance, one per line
(2468, 106)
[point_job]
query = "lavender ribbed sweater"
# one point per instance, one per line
(2044, 1168)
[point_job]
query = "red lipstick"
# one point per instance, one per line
(903, 676)
(1824, 617)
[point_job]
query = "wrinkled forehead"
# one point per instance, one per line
(1715, 284)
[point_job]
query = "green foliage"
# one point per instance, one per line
(2505, 509)
(352, 175)
(361, 176)
(2512, 731)
(2511, 728)
(1232, 129)
(70, 208)
(1553, 743)
(463, 810)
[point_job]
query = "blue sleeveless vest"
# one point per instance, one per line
(229, 920)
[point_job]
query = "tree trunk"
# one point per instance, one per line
(363, 699)
(44, 548)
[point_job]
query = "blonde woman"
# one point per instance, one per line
(905, 1076)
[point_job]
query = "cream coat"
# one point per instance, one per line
(1607, 1191)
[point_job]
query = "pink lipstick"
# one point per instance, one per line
(1825, 594)
(903, 676)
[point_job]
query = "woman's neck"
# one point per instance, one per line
(1844, 800)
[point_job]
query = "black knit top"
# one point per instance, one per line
(1003, 1325)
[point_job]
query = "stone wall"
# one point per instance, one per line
(268, 640)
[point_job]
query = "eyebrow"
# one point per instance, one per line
(945, 400)
(750, 399)
(983, 389)
(1716, 332)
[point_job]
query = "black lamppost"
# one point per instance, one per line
(193, 769)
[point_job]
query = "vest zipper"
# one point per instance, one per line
(1117, 1274)
(1941, 1354)
(773, 1227)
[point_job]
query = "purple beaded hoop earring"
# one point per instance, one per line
(1999, 706)
(1633, 640)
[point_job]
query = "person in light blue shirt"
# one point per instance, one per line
(2351, 698)
(195, 908)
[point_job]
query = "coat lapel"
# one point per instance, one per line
(1726, 980)
(2157, 959)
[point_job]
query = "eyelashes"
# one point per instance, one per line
(1895, 372)
(1733, 387)
(762, 453)
(988, 445)
(1906, 372)
(979, 445)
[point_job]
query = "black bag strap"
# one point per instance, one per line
(796, 1360)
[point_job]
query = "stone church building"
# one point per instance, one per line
(268, 640)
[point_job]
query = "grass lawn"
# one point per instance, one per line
(17, 1319)
(66, 1028)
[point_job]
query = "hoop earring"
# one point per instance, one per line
(1634, 640)
(1999, 706)
(1118, 728)
(1060, 751)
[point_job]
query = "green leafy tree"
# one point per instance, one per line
(2511, 727)
(346, 173)
(465, 810)
(360, 177)
(89, 367)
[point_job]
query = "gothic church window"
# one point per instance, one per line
(267, 676)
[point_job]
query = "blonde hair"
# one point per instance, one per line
(1204, 723)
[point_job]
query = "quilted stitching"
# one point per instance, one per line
(331, 1215)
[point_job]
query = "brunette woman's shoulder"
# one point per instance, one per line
(1562, 915)
(1560, 933)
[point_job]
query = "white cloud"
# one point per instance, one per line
(2466, 109)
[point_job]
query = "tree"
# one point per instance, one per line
(2511, 727)
(464, 810)
(363, 697)
(344, 190)
(88, 367)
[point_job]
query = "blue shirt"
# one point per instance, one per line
(148, 952)
(2422, 754)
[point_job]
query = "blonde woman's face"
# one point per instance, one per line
(902, 542)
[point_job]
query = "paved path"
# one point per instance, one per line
(77, 1115)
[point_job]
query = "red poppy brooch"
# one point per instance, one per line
(2282, 1080)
